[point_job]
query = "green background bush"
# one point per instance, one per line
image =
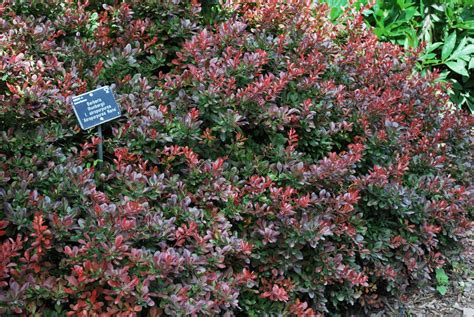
(443, 30)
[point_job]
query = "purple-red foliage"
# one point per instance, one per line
(275, 163)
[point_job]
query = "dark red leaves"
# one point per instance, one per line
(184, 232)
(3, 225)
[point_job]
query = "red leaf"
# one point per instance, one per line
(12, 88)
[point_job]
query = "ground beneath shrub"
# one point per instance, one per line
(458, 302)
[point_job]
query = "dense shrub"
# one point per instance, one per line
(278, 164)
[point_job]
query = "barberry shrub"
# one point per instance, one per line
(277, 163)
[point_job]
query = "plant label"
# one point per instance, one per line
(95, 107)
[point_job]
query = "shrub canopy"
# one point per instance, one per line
(271, 162)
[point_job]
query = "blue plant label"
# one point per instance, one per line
(95, 107)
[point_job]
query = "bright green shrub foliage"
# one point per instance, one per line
(444, 28)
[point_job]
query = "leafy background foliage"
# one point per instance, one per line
(444, 30)
(267, 161)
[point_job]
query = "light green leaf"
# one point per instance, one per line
(367, 12)
(427, 29)
(443, 75)
(441, 276)
(458, 66)
(471, 107)
(459, 47)
(442, 290)
(340, 297)
(409, 13)
(464, 25)
(466, 51)
(448, 46)
(433, 46)
(428, 56)
(471, 63)
(435, 18)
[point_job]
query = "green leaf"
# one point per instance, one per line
(448, 46)
(441, 277)
(429, 56)
(470, 105)
(438, 7)
(467, 25)
(340, 297)
(458, 66)
(459, 48)
(471, 63)
(466, 51)
(442, 290)
(409, 13)
(433, 46)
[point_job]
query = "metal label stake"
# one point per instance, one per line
(95, 108)
(100, 147)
